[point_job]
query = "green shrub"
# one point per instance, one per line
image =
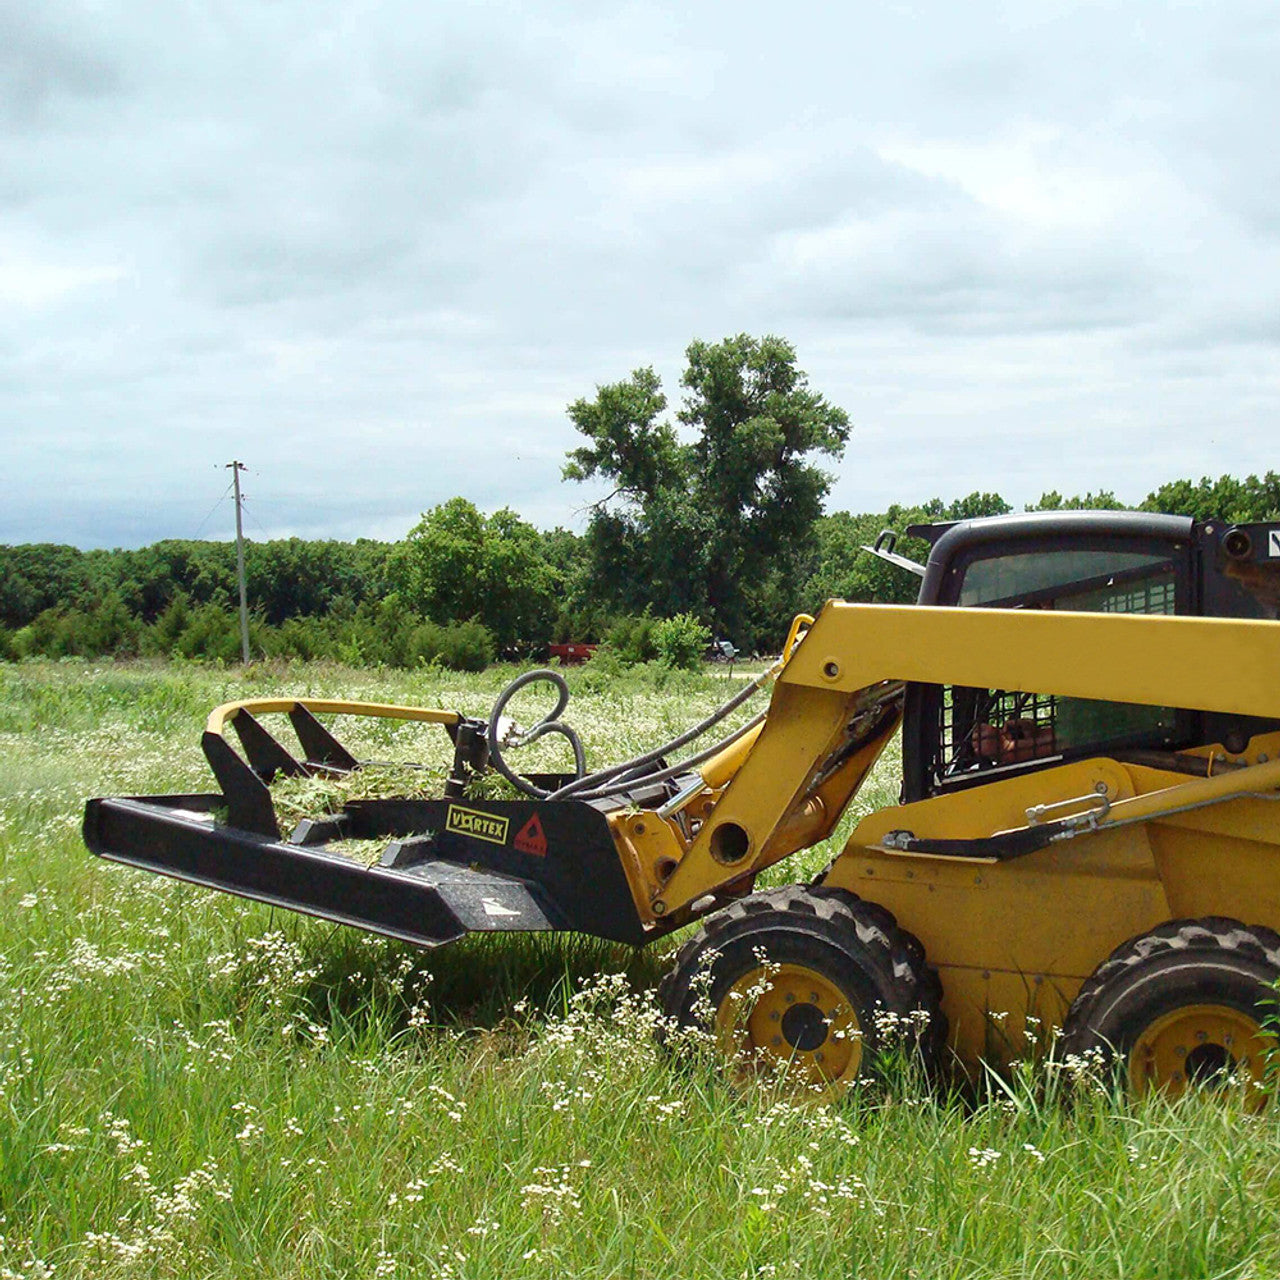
(631, 638)
(45, 635)
(681, 641)
(210, 632)
(107, 629)
(385, 634)
(302, 638)
(600, 671)
(460, 646)
(163, 635)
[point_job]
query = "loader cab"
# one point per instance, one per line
(1109, 562)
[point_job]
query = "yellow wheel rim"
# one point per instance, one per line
(788, 1017)
(1199, 1045)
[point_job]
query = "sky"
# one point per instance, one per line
(374, 250)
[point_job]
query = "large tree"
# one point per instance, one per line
(457, 564)
(716, 518)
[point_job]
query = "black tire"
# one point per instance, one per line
(1187, 1004)
(812, 978)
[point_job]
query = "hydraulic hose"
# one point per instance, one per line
(671, 771)
(636, 768)
(548, 724)
(616, 778)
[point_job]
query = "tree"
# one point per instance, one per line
(1236, 501)
(717, 521)
(39, 576)
(1103, 500)
(843, 571)
(639, 454)
(457, 564)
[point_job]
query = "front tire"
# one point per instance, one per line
(811, 981)
(1185, 1006)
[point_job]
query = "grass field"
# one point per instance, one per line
(195, 1086)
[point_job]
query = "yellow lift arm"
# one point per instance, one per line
(850, 666)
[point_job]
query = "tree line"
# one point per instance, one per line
(712, 524)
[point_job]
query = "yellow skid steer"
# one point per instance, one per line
(1087, 844)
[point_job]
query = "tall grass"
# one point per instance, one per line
(191, 1085)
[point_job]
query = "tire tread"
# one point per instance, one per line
(1206, 935)
(873, 926)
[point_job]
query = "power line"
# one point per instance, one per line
(212, 509)
(249, 511)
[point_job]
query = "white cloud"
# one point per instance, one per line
(1035, 177)
(33, 284)
(375, 250)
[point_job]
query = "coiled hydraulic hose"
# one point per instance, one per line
(618, 777)
(548, 724)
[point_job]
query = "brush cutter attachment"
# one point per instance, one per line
(448, 866)
(443, 866)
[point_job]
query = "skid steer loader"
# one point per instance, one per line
(1087, 843)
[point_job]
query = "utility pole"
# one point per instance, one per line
(236, 469)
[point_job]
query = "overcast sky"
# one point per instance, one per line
(373, 250)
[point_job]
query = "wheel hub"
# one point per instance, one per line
(804, 1027)
(1198, 1046)
(788, 1015)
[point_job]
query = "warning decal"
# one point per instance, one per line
(531, 838)
(1273, 542)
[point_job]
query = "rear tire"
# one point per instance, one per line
(1184, 1006)
(810, 980)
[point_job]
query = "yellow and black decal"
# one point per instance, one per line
(478, 825)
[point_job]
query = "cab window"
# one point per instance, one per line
(980, 730)
(1102, 581)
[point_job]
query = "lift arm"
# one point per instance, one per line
(1208, 664)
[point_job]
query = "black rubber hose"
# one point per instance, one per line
(618, 777)
(631, 768)
(548, 724)
(671, 771)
